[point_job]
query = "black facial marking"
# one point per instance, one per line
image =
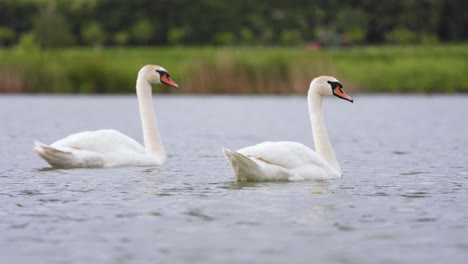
(334, 85)
(162, 73)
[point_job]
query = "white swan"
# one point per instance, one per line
(110, 148)
(287, 160)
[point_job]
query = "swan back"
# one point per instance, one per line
(286, 154)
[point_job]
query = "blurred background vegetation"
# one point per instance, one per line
(241, 46)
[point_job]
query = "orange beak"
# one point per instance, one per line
(339, 93)
(167, 81)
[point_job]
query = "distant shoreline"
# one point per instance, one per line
(441, 68)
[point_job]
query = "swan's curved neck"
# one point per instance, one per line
(151, 135)
(323, 146)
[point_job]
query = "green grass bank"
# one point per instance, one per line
(237, 70)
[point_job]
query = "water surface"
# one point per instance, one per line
(403, 197)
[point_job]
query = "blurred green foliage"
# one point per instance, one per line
(92, 33)
(421, 69)
(58, 23)
(6, 35)
(242, 46)
(51, 30)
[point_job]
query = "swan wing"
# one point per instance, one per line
(68, 157)
(253, 169)
(282, 160)
(91, 149)
(100, 141)
(286, 154)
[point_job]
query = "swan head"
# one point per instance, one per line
(328, 85)
(155, 74)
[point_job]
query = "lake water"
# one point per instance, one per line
(403, 197)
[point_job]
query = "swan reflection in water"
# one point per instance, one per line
(314, 187)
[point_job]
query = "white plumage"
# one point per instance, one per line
(108, 147)
(286, 160)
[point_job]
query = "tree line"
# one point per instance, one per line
(61, 23)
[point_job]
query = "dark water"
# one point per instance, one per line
(403, 197)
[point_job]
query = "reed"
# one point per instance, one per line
(237, 70)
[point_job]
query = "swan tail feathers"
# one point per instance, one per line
(244, 168)
(55, 157)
